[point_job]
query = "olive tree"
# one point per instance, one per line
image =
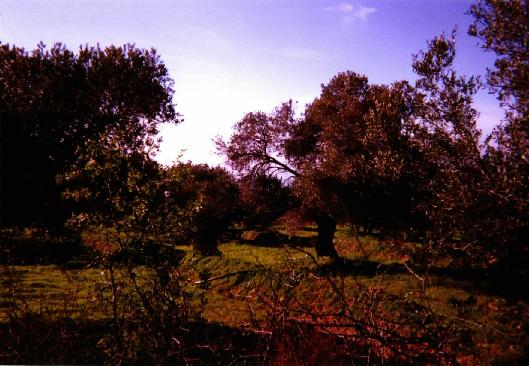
(353, 143)
(345, 146)
(206, 200)
(502, 204)
(264, 199)
(446, 165)
(55, 104)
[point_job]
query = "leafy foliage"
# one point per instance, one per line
(354, 146)
(503, 28)
(503, 203)
(447, 164)
(402, 159)
(264, 199)
(55, 105)
(207, 200)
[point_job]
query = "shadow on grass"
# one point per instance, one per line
(32, 340)
(150, 253)
(359, 267)
(64, 252)
(273, 239)
(502, 281)
(72, 253)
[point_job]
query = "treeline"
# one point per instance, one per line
(404, 160)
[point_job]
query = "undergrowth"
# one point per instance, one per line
(258, 304)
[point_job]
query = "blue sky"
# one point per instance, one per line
(229, 57)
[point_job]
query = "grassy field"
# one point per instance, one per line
(247, 283)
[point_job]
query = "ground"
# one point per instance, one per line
(255, 282)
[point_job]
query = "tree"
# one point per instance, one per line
(206, 201)
(338, 153)
(353, 140)
(399, 157)
(54, 104)
(258, 147)
(447, 163)
(264, 199)
(503, 28)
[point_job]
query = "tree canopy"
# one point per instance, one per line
(503, 28)
(503, 203)
(372, 155)
(54, 103)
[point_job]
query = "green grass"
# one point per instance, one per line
(49, 289)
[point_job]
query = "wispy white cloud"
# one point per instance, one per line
(340, 8)
(351, 11)
(301, 53)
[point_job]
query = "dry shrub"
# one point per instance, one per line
(313, 317)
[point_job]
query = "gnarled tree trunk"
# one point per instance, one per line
(324, 243)
(206, 243)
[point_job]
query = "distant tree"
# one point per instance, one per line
(136, 200)
(264, 199)
(257, 146)
(206, 200)
(54, 104)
